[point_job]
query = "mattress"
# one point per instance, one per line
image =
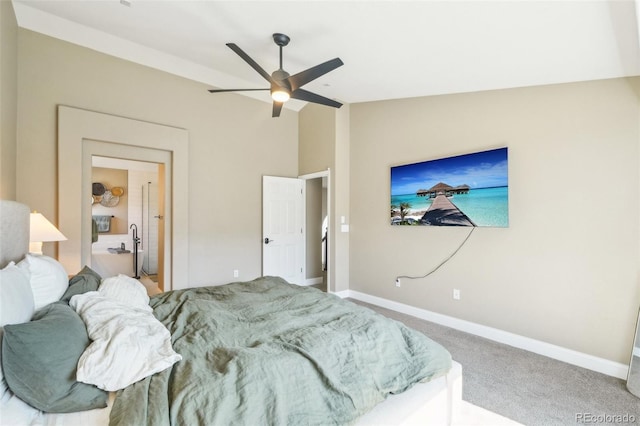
(433, 403)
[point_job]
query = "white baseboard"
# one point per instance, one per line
(313, 281)
(569, 356)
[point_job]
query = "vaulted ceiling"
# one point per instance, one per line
(391, 49)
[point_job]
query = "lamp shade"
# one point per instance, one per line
(41, 230)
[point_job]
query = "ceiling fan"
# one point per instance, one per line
(285, 86)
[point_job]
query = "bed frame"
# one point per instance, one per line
(437, 402)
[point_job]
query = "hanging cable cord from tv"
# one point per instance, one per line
(441, 263)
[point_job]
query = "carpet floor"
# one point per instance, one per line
(529, 388)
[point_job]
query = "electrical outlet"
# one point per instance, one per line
(236, 273)
(456, 294)
(397, 282)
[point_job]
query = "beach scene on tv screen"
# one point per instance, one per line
(462, 190)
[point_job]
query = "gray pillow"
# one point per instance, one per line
(39, 360)
(86, 280)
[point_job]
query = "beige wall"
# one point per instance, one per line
(8, 100)
(317, 134)
(341, 200)
(230, 137)
(566, 269)
(324, 143)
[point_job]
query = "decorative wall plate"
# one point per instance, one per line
(98, 188)
(117, 191)
(109, 200)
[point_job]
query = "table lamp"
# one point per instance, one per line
(41, 230)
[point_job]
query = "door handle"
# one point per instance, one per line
(267, 240)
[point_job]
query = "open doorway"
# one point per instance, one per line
(296, 229)
(161, 162)
(317, 230)
(83, 133)
(125, 211)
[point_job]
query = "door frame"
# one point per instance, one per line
(77, 125)
(321, 174)
(164, 172)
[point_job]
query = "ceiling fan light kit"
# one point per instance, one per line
(280, 95)
(285, 86)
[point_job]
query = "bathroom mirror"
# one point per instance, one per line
(633, 379)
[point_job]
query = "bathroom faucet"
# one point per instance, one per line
(136, 240)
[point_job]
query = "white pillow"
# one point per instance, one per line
(49, 280)
(16, 307)
(125, 290)
(16, 296)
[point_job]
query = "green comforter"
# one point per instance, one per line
(267, 352)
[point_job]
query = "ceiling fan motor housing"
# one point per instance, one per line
(280, 76)
(281, 39)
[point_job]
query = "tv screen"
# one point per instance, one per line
(464, 190)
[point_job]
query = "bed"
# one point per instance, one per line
(258, 352)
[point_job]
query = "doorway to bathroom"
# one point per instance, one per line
(126, 204)
(83, 133)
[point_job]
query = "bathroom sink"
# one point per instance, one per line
(118, 251)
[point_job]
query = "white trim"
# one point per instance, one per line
(323, 173)
(313, 281)
(76, 128)
(570, 356)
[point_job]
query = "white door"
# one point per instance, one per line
(283, 228)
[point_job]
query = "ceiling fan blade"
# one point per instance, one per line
(304, 77)
(233, 90)
(277, 107)
(250, 61)
(305, 95)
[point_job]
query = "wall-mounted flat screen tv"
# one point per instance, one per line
(464, 190)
